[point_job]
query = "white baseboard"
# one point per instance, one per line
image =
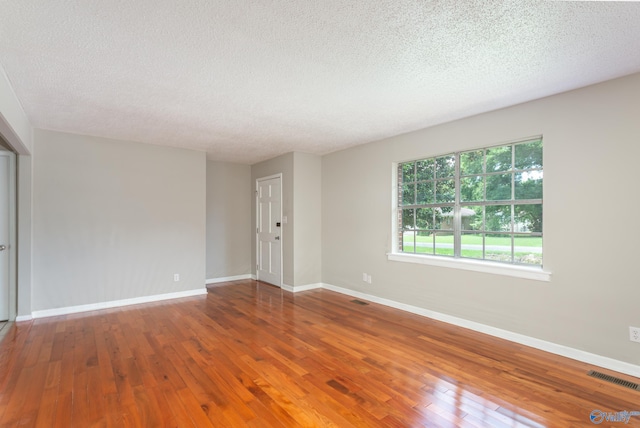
(298, 288)
(116, 303)
(21, 318)
(229, 278)
(554, 348)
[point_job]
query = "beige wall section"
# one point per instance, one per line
(115, 220)
(228, 219)
(279, 165)
(590, 146)
(307, 201)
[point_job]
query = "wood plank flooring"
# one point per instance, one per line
(249, 354)
(4, 328)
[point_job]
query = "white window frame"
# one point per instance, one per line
(513, 270)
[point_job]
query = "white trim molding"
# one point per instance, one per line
(543, 345)
(22, 318)
(229, 278)
(298, 288)
(115, 303)
(517, 271)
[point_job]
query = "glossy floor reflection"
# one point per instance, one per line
(249, 354)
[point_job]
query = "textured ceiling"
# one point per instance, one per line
(248, 80)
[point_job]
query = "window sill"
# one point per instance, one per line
(534, 273)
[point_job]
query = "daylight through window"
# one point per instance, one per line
(481, 204)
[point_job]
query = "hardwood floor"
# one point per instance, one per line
(4, 327)
(249, 354)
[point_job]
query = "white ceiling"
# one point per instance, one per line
(248, 80)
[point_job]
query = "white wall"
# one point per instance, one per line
(590, 234)
(114, 220)
(228, 220)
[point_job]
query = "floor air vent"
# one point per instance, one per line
(614, 379)
(359, 302)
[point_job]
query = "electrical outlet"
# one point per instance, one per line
(634, 334)
(369, 279)
(364, 277)
(176, 277)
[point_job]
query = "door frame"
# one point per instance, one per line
(12, 298)
(258, 180)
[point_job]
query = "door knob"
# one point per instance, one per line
(277, 239)
(3, 247)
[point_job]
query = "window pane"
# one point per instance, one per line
(444, 244)
(424, 170)
(528, 249)
(445, 166)
(408, 194)
(499, 159)
(472, 188)
(424, 242)
(499, 187)
(407, 218)
(471, 218)
(472, 162)
(472, 244)
(445, 191)
(497, 247)
(499, 242)
(408, 172)
(528, 218)
(498, 218)
(528, 185)
(424, 218)
(425, 193)
(408, 242)
(529, 155)
(444, 218)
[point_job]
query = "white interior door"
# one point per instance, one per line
(269, 230)
(4, 237)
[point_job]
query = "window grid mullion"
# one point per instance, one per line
(513, 198)
(399, 197)
(484, 204)
(457, 216)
